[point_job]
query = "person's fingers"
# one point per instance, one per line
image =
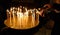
(57, 11)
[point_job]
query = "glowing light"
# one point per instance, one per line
(20, 20)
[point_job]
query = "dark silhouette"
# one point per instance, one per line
(56, 18)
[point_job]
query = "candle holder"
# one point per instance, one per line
(22, 18)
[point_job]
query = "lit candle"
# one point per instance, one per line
(21, 19)
(18, 9)
(26, 10)
(26, 16)
(10, 17)
(18, 18)
(37, 15)
(33, 17)
(7, 13)
(13, 17)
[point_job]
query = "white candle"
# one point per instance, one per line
(37, 14)
(26, 9)
(26, 17)
(17, 18)
(7, 13)
(18, 9)
(13, 18)
(33, 17)
(21, 19)
(10, 17)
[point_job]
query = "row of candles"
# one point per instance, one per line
(22, 14)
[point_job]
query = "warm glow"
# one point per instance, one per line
(22, 18)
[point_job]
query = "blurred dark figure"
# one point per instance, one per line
(54, 14)
(44, 17)
(56, 18)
